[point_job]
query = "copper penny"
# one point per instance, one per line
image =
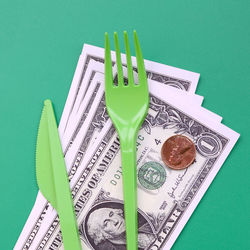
(178, 152)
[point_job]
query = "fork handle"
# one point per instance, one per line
(129, 176)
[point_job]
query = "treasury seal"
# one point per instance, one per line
(178, 152)
(152, 175)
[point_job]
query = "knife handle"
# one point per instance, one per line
(65, 208)
(69, 228)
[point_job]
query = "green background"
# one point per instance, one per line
(40, 42)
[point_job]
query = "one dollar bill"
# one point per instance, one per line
(166, 198)
(171, 76)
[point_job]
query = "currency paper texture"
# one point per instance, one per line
(166, 198)
(94, 122)
(171, 76)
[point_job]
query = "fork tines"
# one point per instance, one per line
(139, 58)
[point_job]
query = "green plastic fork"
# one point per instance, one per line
(127, 107)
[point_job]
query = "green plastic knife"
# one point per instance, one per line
(52, 177)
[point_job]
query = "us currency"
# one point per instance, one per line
(93, 97)
(175, 90)
(78, 113)
(179, 78)
(94, 66)
(168, 75)
(166, 197)
(90, 124)
(41, 206)
(90, 127)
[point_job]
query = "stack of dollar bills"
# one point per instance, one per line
(166, 197)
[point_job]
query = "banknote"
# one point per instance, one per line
(77, 117)
(41, 205)
(166, 197)
(184, 80)
(79, 113)
(95, 66)
(176, 92)
(179, 78)
(85, 108)
(90, 125)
